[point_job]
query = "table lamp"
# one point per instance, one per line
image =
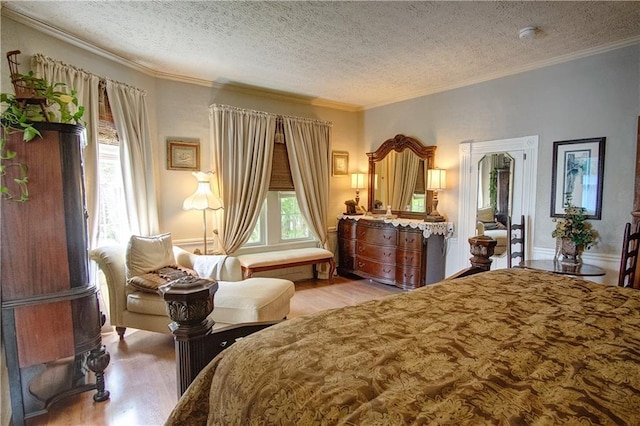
(436, 181)
(357, 183)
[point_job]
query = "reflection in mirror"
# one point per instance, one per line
(495, 180)
(398, 177)
(400, 182)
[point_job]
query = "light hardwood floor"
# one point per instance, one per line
(141, 376)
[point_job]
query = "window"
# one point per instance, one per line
(113, 223)
(257, 235)
(280, 221)
(112, 216)
(418, 202)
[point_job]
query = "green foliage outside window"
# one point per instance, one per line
(292, 224)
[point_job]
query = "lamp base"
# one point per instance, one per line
(434, 217)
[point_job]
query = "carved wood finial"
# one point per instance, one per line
(482, 248)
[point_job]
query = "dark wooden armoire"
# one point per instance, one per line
(50, 315)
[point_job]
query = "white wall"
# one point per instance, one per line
(590, 97)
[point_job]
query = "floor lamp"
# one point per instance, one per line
(203, 199)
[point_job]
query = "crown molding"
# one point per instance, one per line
(235, 87)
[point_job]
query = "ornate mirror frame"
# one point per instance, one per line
(399, 143)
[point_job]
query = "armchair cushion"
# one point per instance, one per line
(146, 254)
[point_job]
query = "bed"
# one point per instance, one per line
(509, 346)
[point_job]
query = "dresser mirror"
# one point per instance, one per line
(397, 177)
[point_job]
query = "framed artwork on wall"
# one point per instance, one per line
(183, 155)
(340, 163)
(576, 176)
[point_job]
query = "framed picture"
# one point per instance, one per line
(183, 155)
(340, 163)
(576, 180)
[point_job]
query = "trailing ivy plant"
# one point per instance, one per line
(19, 117)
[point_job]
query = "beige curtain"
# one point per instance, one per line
(405, 175)
(242, 155)
(86, 85)
(308, 148)
(129, 109)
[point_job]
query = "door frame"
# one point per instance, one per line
(468, 187)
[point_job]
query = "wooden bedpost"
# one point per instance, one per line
(189, 302)
(482, 248)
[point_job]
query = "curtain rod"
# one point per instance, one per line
(40, 58)
(252, 111)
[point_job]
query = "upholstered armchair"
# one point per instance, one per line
(236, 301)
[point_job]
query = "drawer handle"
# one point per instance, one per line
(387, 254)
(361, 234)
(360, 264)
(408, 276)
(409, 241)
(360, 249)
(386, 237)
(409, 259)
(386, 271)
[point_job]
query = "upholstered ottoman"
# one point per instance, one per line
(252, 300)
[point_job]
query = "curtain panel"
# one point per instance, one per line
(309, 156)
(129, 109)
(242, 155)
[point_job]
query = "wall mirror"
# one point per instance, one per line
(397, 177)
(495, 200)
(495, 181)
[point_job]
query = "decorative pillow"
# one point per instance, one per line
(146, 254)
(150, 281)
(485, 215)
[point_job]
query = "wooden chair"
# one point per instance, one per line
(26, 91)
(629, 258)
(516, 244)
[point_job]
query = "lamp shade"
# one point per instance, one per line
(203, 198)
(357, 180)
(436, 179)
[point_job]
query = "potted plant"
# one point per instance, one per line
(574, 234)
(35, 100)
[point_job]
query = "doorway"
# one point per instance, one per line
(524, 152)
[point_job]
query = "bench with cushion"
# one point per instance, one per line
(237, 300)
(257, 262)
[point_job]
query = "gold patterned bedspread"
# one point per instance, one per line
(505, 347)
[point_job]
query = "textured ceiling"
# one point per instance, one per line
(357, 53)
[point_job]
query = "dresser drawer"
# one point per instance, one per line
(408, 277)
(409, 257)
(384, 254)
(378, 269)
(410, 239)
(374, 235)
(346, 254)
(347, 229)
